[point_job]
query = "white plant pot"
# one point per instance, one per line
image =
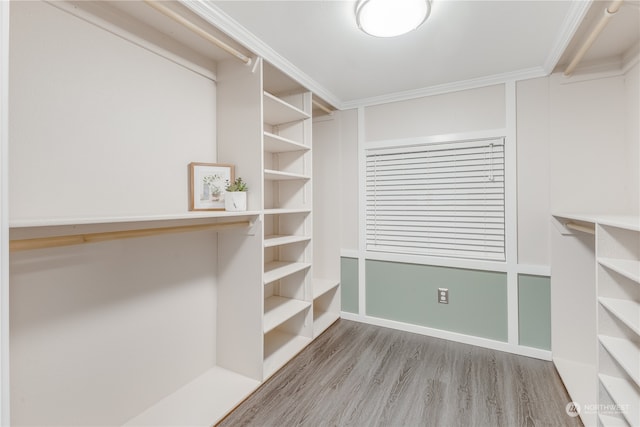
(235, 201)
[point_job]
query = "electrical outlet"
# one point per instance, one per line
(443, 295)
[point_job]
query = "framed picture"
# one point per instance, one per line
(207, 183)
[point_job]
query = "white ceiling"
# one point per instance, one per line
(463, 42)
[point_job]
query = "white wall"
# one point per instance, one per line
(326, 196)
(533, 171)
(578, 145)
(349, 179)
(456, 112)
(101, 127)
(589, 170)
(100, 332)
(632, 88)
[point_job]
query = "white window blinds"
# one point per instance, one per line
(444, 199)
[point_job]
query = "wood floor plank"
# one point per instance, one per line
(363, 375)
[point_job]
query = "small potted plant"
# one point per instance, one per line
(235, 199)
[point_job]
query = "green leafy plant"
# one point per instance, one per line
(237, 185)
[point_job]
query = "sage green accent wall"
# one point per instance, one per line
(349, 284)
(534, 311)
(408, 293)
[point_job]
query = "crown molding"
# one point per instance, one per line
(529, 73)
(570, 25)
(215, 16)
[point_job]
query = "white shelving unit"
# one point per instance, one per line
(276, 270)
(265, 305)
(618, 284)
(276, 240)
(277, 144)
(278, 111)
(610, 378)
(279, 348)
(278, 310)
(288, 204)
(200, 401)
(272, 175)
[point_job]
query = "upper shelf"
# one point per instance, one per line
(627, 222)
(278, 112)
(52, 234)
(273, 175)
(49, 222)
(277, 144)
(628, 268)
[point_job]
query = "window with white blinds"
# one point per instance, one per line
(444, 199)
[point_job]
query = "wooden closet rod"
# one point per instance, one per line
(322, 107)
(76, 239)
(199, 31)
(580, 227)
(604, 20)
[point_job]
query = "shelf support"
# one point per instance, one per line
(580, 227)
(76, 239)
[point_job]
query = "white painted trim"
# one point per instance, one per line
(350, 316)
(572, 21)
(131, 38)
(535, 270)
(493, 80)
(461, 263)
(362, 213)
(511, 212)
(435, 139)
(464, 264)
(451, 336)
(349, 253)
(215, 16)
(5, 418)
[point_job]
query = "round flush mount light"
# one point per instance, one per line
(390, 18)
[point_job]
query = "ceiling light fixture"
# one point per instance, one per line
(390, 18)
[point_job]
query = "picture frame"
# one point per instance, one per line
(207, 183)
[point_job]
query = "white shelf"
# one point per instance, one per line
(47, 222)
(322, 286)
(279, 240)
(278, 269)
(322, 320)
(273, 175)
(202, 402)
(284, 211)
(627, 222)
(277, 111)
(277, 144)
(279, 309)
(279, 348)
(627, 311)
(625, 353)
(628, 268)
(623, 394)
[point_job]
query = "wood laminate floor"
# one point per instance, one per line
(362, 375)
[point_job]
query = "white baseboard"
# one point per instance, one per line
(451, 336)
